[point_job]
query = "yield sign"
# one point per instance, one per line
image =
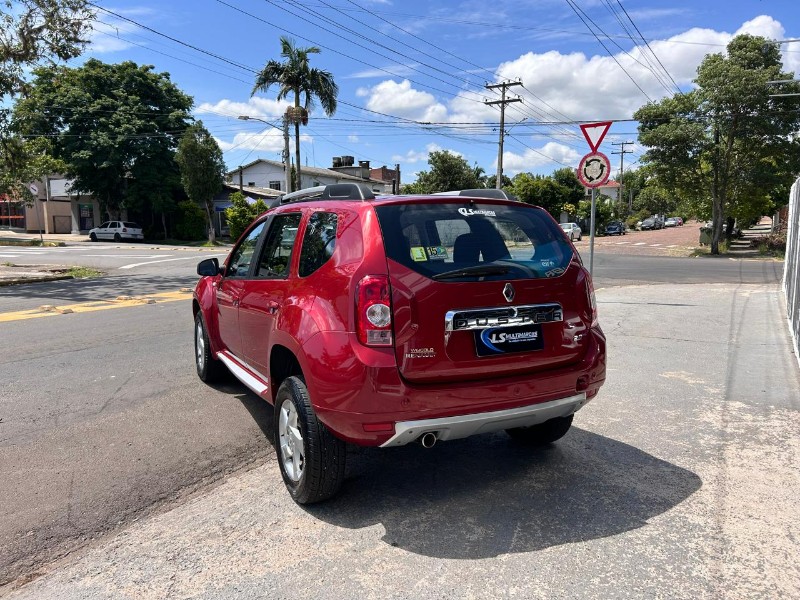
(594, 133)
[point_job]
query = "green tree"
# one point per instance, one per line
(602, 213)
(32, 32)
(448, 172)
(295, 76)
(567, 178)
(655, 200)
(106, 122)
(202, 169)
(726, 144)
(242, 213)
(543, 191)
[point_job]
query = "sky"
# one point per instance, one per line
(412, 74)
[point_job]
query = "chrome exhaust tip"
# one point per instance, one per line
(428, 440)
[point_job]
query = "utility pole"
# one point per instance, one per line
(622, 154)
(287, 170)
(503, 86)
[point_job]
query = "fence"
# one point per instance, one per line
(791, 276)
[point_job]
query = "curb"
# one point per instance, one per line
(24, 280)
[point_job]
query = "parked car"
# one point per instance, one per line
(680, 221)
(615, 228)
(671, 222)
(400, 319)
(572, 230)
(117, 231)
(650, 223)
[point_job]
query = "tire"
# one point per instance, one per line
(543, 433)
(93, 237)
(580, 236)
(209, 369)
(117, 237)
(310, 458)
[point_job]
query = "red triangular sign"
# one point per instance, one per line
(595, 132)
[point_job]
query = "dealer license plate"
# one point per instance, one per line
(504, 340)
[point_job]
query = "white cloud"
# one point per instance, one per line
(413, 156)
(532, 159)
(269, 140)
(401, 100)
(264, 108)
(394, 70)
(576, 86)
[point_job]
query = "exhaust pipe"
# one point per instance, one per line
(428, 440)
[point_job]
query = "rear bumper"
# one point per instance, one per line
(452, 428)
(375, 406)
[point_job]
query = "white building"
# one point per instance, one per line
(263, 173)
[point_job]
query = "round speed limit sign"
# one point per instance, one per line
(594, 169)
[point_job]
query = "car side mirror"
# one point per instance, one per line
(208, 267)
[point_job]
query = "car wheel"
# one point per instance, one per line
(311, 459)
(543, 433)
(117, 237)
(93, 237)
(209, 369)
(580, 236)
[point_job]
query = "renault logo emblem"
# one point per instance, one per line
(508, 292)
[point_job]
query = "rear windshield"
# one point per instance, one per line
(130, 225)
(468, 242)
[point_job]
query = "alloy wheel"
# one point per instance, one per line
(199, 345)
(291, 443)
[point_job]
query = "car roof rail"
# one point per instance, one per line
(480, 193)
(334, 191)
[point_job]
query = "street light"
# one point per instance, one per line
(285, 129)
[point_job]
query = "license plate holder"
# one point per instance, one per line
(496, 341)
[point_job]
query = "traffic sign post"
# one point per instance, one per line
(593, 171)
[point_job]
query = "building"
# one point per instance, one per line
(55, 209)
(270, 174)
(610, 189)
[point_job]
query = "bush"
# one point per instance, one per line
(191, 225)
(775, 242)
(242, 213)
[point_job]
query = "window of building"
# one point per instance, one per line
(275, 185)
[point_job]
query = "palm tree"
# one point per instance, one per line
(294, 76)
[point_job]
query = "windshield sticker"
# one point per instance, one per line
(418, 254)
(468, 212)
(554, 272)
(437, 252)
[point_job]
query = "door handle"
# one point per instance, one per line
(273, 306)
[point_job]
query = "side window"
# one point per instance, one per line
(239, 265)
(276, 255)
(104, 225)
(319, 242)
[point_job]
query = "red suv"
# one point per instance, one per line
(383, 321)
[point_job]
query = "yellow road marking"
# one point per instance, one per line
(119, 302)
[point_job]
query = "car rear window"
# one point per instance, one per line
(130, 225)
(474, 241)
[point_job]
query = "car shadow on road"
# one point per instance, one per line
(487, 495)
(100, 288)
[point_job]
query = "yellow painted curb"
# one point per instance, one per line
(119, 302)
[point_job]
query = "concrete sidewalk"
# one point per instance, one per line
(680, 480)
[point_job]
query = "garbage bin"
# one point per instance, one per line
(705, 236)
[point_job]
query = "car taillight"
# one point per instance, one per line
(592, 299)
(124, 230)
(373, 311)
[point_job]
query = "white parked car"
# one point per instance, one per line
(117, 231)
(572, 230)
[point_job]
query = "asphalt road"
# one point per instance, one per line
(102, 419)
(678, 481)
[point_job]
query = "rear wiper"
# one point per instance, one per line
(476, 271)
